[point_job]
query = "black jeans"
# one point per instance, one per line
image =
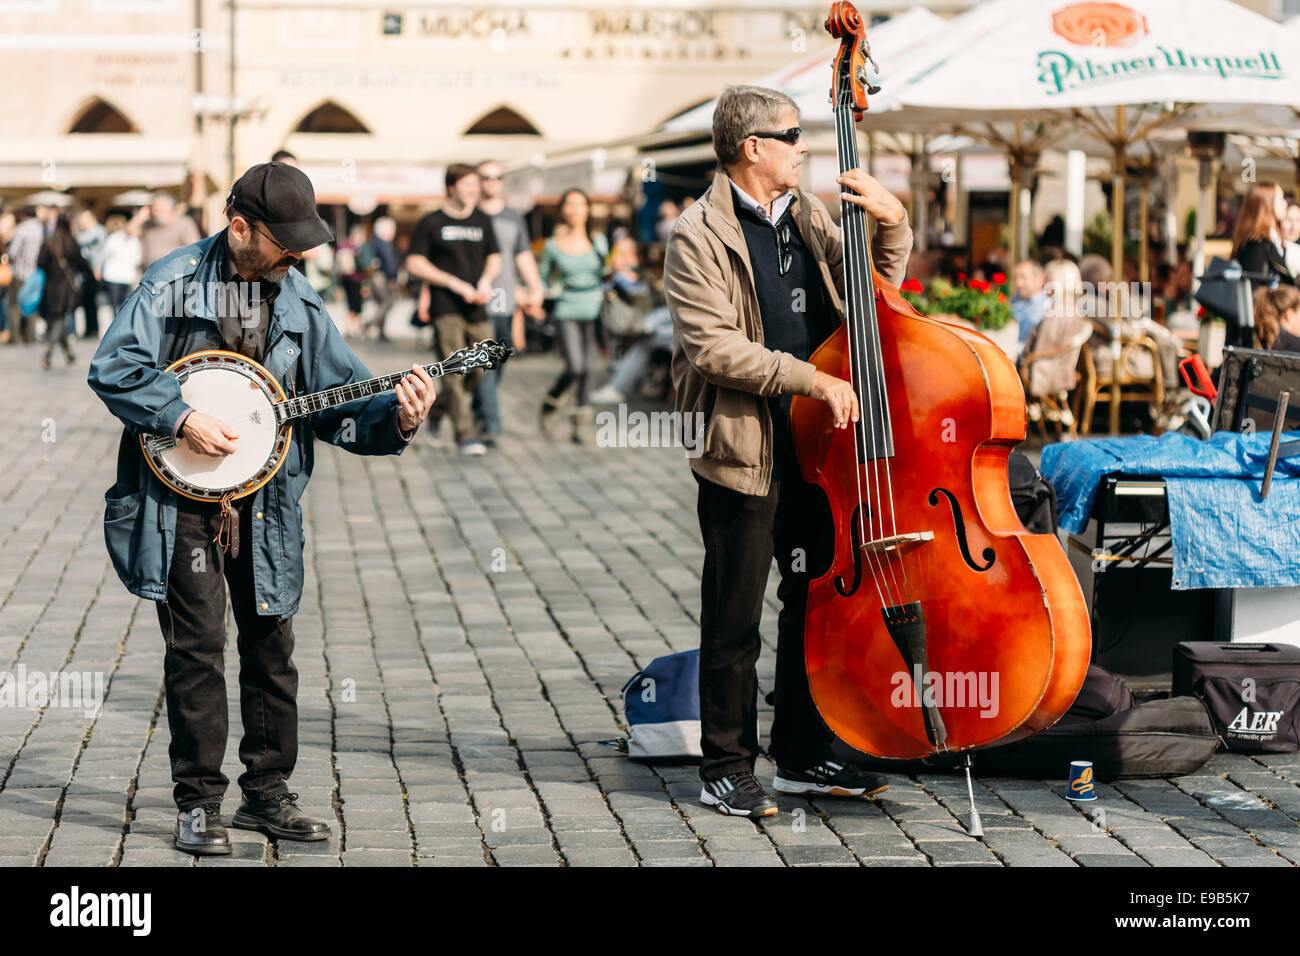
(742, 533)
(193, 619)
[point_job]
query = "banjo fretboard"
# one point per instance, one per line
(482, 355)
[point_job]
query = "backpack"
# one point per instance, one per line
(1031, 494)
(662, 705)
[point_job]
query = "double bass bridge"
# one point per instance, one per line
(897, 545)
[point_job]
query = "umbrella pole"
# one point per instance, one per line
(1144, 268)
(1014, 237)
(1117, 265)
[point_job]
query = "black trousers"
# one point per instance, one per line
(577, 341)
(742, 533)
(193, 619)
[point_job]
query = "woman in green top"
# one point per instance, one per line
(577, 260)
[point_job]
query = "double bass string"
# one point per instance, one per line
(853, 224)
(855, 216)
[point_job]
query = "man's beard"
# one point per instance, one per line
(246, 260)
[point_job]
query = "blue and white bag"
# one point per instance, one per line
(662, 704)
(31, 292)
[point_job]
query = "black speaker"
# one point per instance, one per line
(1138, 619)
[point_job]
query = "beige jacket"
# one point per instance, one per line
(721, 370)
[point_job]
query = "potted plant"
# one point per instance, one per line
(975, 303)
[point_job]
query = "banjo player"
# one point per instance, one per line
(182, 552)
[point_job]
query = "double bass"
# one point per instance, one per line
(942, 624)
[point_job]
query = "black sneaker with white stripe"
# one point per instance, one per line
(739, 795)
(831, 779)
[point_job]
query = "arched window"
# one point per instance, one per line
(99, 116)
(502, 121)
(329, 117)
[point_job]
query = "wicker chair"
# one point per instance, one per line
(1096, 388)
(1042, 409)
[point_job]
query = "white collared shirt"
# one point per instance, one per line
(779, 205)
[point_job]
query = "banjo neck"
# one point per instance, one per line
(303, 405)
(485, 354)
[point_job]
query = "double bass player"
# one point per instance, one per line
(752, 275)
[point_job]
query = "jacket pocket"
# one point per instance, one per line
(122, 529)
(724, 438)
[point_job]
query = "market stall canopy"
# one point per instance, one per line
(103, 159)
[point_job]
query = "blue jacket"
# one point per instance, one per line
(304, 352)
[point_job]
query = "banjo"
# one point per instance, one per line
(240, 392)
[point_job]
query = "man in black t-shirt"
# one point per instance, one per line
(454, 250)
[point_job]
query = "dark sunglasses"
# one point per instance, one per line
(784, 257)
(284, 250)
(790, 135)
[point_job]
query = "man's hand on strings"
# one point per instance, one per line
(839, 395)
(865, 191)
(415, 394)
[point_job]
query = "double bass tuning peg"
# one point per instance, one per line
(869, 78)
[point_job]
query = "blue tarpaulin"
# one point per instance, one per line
(1223, 533)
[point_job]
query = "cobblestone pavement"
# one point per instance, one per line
(465, 630)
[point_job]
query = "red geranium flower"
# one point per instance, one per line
(1002, 297)
(979, 285)
(999, 278)
(913, 285)
(961, 277)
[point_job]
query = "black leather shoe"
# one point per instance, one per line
(279, 817)
(201, 832)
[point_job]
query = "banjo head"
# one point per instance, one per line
(240, 393)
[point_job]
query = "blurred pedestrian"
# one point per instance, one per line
(508, 303)
(657, 333)
(577, 259)
(1291, 238)
(668, 213)
(163, 229)
(7, 288)
(352, 275)
(382, 273)
(1257, 243)
(120, 266)
(454, 250)
(65, 270)
(90, 237)
(24, 250)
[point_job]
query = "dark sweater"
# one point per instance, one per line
(796, 316)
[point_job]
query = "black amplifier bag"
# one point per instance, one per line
(1155, 739)
(1251, 690)
(1159, 738)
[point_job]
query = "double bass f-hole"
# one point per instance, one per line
(856, 541)
(959, 523)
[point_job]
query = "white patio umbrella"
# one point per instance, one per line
(1104, 64)
(898, 45)
(1118, 70)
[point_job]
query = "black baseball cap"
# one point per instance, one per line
(281, 197)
